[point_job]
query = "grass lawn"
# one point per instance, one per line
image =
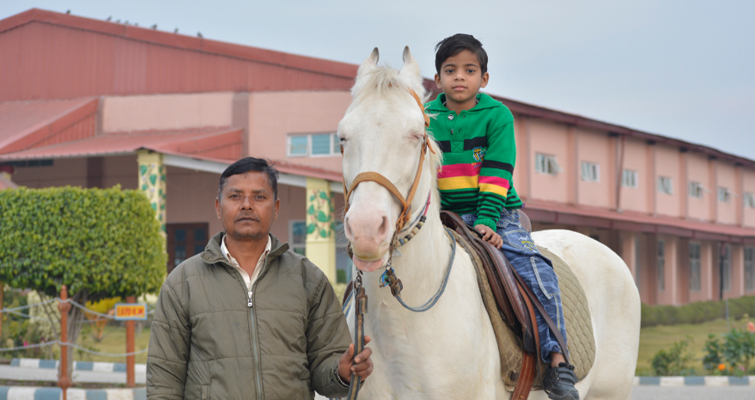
(653, 339)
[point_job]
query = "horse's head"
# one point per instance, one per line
(383, 131)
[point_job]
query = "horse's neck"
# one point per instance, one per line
(423, 261)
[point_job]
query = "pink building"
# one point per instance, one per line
(95, 104)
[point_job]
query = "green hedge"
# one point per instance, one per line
(104, 242)
(698, 312)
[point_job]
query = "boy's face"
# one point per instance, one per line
(460, 79)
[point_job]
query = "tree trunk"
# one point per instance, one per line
(75, 319)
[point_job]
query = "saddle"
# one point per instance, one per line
(515, 301)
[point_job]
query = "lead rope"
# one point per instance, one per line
(360, 308)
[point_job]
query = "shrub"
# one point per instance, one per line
(697, 312)
(101, 243)
(675, 361)
(736, 347)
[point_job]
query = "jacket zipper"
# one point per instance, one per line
(255, 339)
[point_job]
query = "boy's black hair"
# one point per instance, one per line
(249, 164)
(457, 43)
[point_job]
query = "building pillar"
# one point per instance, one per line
(629, 251)
(737, 278)
(321, 238)
(152, 183)
(706, 270)
(672, 268)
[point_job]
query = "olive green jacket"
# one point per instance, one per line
(207, 343)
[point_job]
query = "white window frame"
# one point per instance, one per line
(293, 245)
(590, 171)
(629, 179)
(666, 184)
(749, 199)
(333, 148)
(696, 190)
(694, 266)
(749, 257)
(724, 194)
(660, 266)
(546, 164)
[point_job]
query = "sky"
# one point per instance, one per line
(678, 68)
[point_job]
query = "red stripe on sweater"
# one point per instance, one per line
(495, 181)
(454, 170)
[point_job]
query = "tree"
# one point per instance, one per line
(101, 243)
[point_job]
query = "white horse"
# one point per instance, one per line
(450, 351)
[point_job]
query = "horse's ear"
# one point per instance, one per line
(411, 67)
(370, 62)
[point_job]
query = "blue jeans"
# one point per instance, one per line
(536, 271)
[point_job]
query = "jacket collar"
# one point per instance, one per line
(213, 255)
(484, 102)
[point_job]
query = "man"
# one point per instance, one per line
(248, 318)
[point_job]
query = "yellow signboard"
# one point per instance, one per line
(125, 311)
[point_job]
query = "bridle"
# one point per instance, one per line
(406, 204)
(389, 277)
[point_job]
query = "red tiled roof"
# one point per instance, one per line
(553, 212)
(219, 143)
(26, 124)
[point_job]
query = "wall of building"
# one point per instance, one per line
(727, 178)
(551, 139)
(273, 116)
(667, 165)
(748, 184)
(166, 111)
(191, 197)
(635, 159)
(63, 172)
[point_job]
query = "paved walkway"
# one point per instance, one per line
(693, 393)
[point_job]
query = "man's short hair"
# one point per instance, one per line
(457, 43)
(250, 164)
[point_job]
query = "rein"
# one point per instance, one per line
(389, 277)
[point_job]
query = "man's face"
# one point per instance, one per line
(460, 79)
(247, 207)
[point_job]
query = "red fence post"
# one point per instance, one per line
(63, 381)
(130, 373)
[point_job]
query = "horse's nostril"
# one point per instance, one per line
(383, 227)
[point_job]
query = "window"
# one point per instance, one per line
(749, 200)
(184, 241)
(315, 144)
(546, 164)
(726, 267)
(297, 236)
(629, 178)
(31, 163)
(660, 266)
(590, 172)
(724, 195)
(694, 266)
(749, 268)
(696, 190)
(665, 185)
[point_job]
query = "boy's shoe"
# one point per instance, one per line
(559, 382)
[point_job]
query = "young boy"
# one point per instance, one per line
(476, 134)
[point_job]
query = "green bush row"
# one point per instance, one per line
(697, 312)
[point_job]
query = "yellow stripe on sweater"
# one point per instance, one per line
(491, 188)
(457, 182)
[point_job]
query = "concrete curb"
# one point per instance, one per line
(36, 393)
(671, 381)
(77, 365)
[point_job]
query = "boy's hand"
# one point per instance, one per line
(490, 236)
(361, 366)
